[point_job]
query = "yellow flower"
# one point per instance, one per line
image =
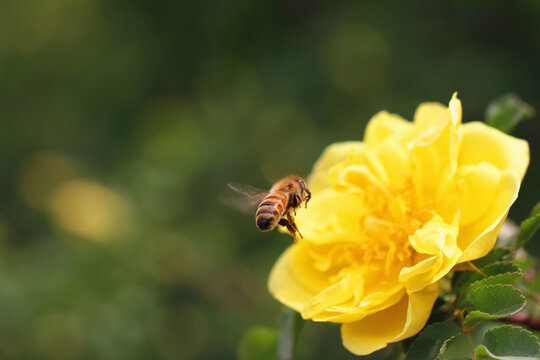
(390, 216)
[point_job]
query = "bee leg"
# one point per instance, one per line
(283, 222)
(296, 231)
(308, 195)
(298, 201)
(291, 226)
(287, 221)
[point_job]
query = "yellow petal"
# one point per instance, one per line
(428, 113)
(478, 238)
(297, 283)
(455, 110)
(428, 271)
(393, 157)
(383, 126)
(434, 151)
(355, 176)
(386, 136)
(355, 307)
(341, 292)
(293, 279)
(431, 122)
(404, 319)
(418, 311)
(331, 216)
(374, 332)
(437, 250)
(478, 185)
(332, 155)
(482, 143)
(349, 158)
(421, 274)
(433, 236)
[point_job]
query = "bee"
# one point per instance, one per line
(279, 204)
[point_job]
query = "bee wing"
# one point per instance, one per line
(248, 190)
(251, 197)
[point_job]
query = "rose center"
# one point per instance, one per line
(393, 215)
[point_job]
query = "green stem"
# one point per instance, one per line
(291, 326)
(466, 331)
(459, 315)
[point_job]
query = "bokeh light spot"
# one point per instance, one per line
(91, 210)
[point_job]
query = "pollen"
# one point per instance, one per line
(394, 214)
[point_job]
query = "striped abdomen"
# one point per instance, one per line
(271, 210)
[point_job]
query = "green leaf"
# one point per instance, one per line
(428, 344)
(528, 227)
(505, 112)
(450, 345)
(456, 348)
(459, 346)
(258, 342)
(499, 299)
(461, 284)
(476, 317)
(509, 342)
(500, 267)
(536, 209)
(291, 325)
(493, 302)
(505, 278)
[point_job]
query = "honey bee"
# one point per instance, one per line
(279, 204)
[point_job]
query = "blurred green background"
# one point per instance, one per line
(122, 121)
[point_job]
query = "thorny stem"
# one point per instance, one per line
(467, 331)
(471, 267)
(476, 269)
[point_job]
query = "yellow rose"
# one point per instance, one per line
(390, 216)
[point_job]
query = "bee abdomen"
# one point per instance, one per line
(270, 211)
(266, 223)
